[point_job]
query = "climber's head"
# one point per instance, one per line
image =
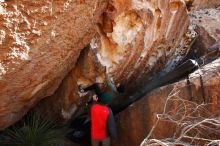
(105, 98)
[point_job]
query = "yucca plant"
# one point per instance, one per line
(34, 130)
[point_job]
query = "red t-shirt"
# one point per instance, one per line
(99, 116)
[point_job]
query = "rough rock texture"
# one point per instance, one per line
(209, 19)
(201, 4)
(40, 43)
(137, 120)
(67, 97)
(140, 38)
(206, 23)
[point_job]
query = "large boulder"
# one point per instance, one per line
(209, 19)
(40, 43)
(141, 38)
(135, 123)
(67, 100)
(206, 24)
(136, 40)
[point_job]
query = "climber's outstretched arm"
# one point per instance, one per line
(110, 83)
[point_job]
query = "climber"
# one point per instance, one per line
(102, 123)
(109, 94)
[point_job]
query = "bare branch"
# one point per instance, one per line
(193, 122)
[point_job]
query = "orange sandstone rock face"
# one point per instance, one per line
(67, 100)
(140, 38)
(40, 42)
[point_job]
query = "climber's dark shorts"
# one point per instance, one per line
(104, 142)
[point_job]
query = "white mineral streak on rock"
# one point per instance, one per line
(149, 35)
(23, 51)
(53, 33)
(2, 10)
(67, 4)
(2, 36)
(103, 60)
(16, 53)
(2, 70)
(142, 4)
(39, 87)
(93, 44)
(37, 32)
(45, 9)
(127, 25)
(125, 29)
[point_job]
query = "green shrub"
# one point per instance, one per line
(34, 130)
